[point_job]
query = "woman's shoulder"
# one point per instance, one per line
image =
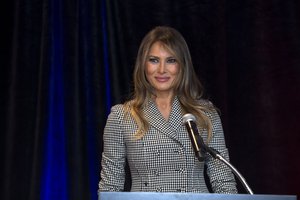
(206, 103)
(121, 107)
(209, 108)
(117, 107)
(117, 110)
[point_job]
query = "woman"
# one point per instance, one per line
(148, 130)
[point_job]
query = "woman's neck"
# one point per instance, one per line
(164, 105)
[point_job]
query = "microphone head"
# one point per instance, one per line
(188, 117)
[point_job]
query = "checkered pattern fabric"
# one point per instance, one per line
(163, 160)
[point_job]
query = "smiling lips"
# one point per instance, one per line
(162, 79)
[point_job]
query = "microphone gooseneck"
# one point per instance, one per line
(200, 148)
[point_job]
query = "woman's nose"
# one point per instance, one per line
(161, 68)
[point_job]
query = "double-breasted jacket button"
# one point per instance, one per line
(156, 152)
(179, 151)
(155, 172)
(158, 189)
(180, 170)
(181, 189)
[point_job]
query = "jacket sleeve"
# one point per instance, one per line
(221, 178)
(114, 151)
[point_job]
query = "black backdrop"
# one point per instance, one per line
(64, 63)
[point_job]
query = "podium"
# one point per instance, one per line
(187, 196)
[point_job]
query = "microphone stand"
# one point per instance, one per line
(215, 154)
(201, 148)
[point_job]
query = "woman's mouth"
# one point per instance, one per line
(162, 79)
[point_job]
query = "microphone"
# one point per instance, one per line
(199, 147)
(198, 144)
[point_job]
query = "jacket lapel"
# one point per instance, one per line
(156, 120)
(176, 114)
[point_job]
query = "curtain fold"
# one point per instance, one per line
(24, 103)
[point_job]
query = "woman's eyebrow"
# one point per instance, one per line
(152, 56)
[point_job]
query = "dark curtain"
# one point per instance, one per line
(65, 63)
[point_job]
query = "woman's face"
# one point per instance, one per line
(161, 69)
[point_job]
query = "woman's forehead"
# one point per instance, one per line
(158, 45)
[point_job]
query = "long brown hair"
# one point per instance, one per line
(188, 88)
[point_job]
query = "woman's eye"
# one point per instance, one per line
(171, 60)
(153, 60)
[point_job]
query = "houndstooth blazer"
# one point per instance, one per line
(163, 160)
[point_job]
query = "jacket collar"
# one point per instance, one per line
(156, 119)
